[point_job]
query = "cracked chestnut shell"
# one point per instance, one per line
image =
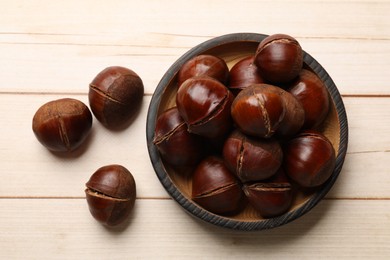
(204, 103)
(271, 198)
(204, 65)
(311, 92)
(309, 159)
(258, 110)
(243, 74)
(215, 188)
(62, 125)
(110, 194)
(115, 96)
(279, 58)
(294, 117)
(176, 145)
(252, 159)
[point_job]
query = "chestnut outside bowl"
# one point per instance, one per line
(232, 48)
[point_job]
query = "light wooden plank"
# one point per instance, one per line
(64, 45)
(64, 229)
(354, 19)
(28, 169)
(42, 65)
(32, 170)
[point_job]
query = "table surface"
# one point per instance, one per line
(53, 49)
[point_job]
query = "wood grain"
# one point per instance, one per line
(70, 47)
(53, 49)
(334, 229)
(29, 165)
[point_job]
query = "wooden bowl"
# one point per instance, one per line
(232, 48)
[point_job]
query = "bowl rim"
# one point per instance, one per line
(222, 221)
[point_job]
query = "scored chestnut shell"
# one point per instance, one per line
(279, 58)
(110, 194)
(309, 159)
(258, 110)
(252, 159)
(215, 188)
(243, 74)
(272, 197)
(204, 103)
(62, 125)
(204, 65)
(115, 96)
(176, 145)
(294, 117)
(311, 92)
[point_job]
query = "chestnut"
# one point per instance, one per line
(311, 92)
(204, 65)
(204, 103)
(176, 145)
(258, 110)
(294, 117)
(215, 188)
(271, 198)
(110, 194)
(252, 159)
(243, 74)
(309, 159)
(279, 58)
(62, 125)
(115, 96)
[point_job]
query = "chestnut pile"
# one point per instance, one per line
(251, 134)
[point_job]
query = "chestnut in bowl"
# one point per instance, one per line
(204, 103)
(232, 48)
(204, 65)
(243, 74)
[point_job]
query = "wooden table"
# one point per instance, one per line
(53, 49)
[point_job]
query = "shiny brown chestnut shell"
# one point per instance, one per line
(279, 58)
(271, 198)
(111, 193)
(232, 48)
(204, 103)
(243, 74)
(62, 125)
(252, 159)
(115, 96)
(176, 145)
(204, 65)
(309, 159)
(215, 188)
(258, 110)
(311, 92)
(294, 117)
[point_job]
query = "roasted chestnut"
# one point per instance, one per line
(252, 159)
(215, 188)
(243, 74)
(111, 193)
(204, 65)
(204, 103)
(294, 117)
(176, 145)
(272, 197)
(62, 125)
(115, 96)
(309, 159)
(254, 162)
(258, 110)
(312, 94)
(279, 58)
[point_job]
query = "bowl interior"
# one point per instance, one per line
(233, 48)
